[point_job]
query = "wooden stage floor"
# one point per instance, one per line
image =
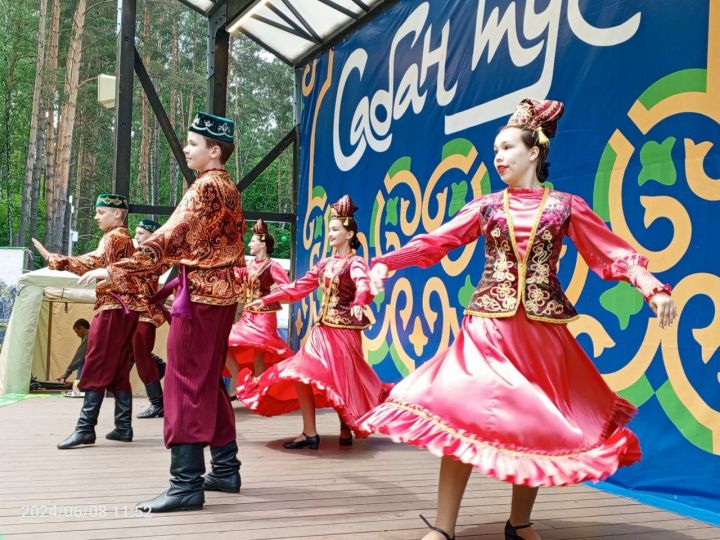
(373, 490)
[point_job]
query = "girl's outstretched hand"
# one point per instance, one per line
(255, 304)
(664, 307)
(378, 274)
(357, 312)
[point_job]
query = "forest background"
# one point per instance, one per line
(56, 140)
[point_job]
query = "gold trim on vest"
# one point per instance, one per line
(531, 281)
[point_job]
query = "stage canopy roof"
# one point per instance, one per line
(290, 29)
(202, 6)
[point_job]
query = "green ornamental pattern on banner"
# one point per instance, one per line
(683, 404)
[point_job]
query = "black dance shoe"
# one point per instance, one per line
(511, 531)
(345, 441)
(437, 529)
(312, 443)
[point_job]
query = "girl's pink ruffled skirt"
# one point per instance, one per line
(519, 400)
(257, 331)
(332, 362)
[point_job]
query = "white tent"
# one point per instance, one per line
(39, 338)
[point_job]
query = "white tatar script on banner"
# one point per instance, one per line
(372, 119)
(373, 115)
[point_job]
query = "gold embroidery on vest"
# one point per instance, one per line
(331, 296)
(506, 297)
(522, 268)
(253, 288)
(330, 283)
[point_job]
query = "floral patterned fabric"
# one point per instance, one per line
(115, 245)
(205, 234)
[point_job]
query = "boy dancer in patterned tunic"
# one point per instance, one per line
(203, 236)
(107, 361)
(143, 340)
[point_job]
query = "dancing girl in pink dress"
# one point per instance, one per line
(515, 396)
(330, 369)
(254, 342)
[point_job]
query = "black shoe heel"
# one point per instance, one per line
(511, 531)
(342, 439)
(312, 443)
(437, 529)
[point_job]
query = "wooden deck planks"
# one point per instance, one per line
(373, 490)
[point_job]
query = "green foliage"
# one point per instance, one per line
(17, 76)
(260, 90)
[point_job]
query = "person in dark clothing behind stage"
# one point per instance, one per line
(81, 328)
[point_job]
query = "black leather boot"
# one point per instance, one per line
(160, 364)
(123, 418)
(187, 466)
(85, 429)
(155, 395)
(225, 473)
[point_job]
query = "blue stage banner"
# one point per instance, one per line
(402, 115)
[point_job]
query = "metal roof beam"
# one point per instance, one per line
(302, 19)
(341, 9)
(235, 8)
(310, 36)
(290, 138)
(342, 34)
(162, 118)
(362, 5)
(290, 30)
(192, 6)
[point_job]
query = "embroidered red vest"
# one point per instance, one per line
(508, 280)
(338, 293)
(258, 285)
